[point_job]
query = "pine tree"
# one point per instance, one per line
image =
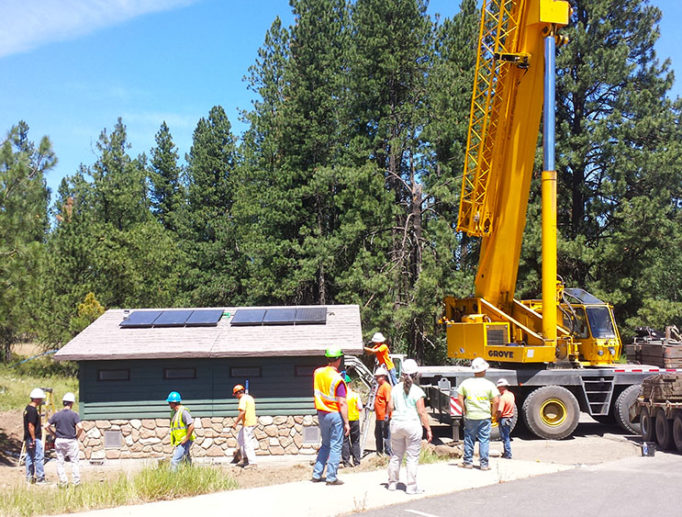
(23, 223)
(164, 174)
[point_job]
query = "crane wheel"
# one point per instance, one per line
(677, 430)
(551, 412)
(646, 424)
(621, 409)
(664, 431)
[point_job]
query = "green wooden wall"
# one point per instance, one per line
(278, 391)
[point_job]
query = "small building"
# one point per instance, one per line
(130, 360)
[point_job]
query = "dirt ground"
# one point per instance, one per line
(592, 443)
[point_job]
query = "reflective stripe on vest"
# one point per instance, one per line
(178, 429)
(326, 380)
(353, 412)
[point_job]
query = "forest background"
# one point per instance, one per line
(344, 186)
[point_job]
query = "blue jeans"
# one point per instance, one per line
(181, 453)
(35, 461)
(394, 377)
(476, 430)
(331, 428)
(505, 430)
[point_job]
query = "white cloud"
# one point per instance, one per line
(27, 24)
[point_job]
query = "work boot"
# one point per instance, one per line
(336, 482)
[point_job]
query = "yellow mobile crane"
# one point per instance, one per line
(561, 349)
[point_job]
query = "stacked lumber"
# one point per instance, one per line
(662, 354)
(661, 388)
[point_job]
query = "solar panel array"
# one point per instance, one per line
(284, 316)
(173, 318)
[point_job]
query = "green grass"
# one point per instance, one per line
(16, 383)
(148, 485)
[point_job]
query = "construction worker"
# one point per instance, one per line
(476, 394)
(381, 352)
(409, 415)
(332, 413)
(181, 430)
(247, 416)
(505, 414)
(33, 438)
(351, 442)
(382, 425)
(66, 427)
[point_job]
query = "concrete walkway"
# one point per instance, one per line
(361, 491)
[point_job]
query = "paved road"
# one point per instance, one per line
(633, 486)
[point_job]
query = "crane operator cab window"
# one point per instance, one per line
(578, 323)
(601, 323)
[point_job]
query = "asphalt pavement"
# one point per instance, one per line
(635, 486)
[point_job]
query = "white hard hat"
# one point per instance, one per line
(69, 397)
(381, 371)
(410, 366)
(479, 365)
(503, 382)
(378, 338)
(37, 393)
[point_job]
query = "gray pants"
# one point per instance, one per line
(406, 440)
(67, 449)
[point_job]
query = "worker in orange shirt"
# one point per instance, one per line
(382, 427)
(380, 350)
(505, 414)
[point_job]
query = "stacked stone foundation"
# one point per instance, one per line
(215, 437)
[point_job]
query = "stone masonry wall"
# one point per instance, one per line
(215, 437)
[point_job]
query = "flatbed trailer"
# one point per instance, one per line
(659, 409)
(550, 400)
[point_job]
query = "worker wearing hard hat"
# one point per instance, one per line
(381, 352)
(181, 430)
(33, 438)
(332, 414)
(382, 423)
(505, 414)
(66, 426)
(476, 395)
(247, 417)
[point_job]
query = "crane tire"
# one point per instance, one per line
(677, 431)
(647, 426)
(664, 431)
(621, 409)
(551, 412)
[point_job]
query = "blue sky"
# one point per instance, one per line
(69, 68)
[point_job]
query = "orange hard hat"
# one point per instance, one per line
(237, 388)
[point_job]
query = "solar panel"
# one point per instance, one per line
(311, 316)
(140, 319)
(248, 317)
(204, 318)
(279, 317)
(173, 318)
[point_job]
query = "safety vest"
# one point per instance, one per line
(326, 379)
(178, 429)
(352, 398)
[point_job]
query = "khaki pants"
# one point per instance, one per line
(245, 441)
(66, 448)
(406, 440)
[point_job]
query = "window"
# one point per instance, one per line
(179, 373)
(304, 371)
(600, 322)
(113, 375)
(247, 372)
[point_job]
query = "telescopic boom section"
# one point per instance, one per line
(504, 123)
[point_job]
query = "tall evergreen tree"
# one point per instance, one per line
(166, 189)
(23, 223)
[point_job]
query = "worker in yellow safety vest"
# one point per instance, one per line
(351, 442)
(181, 430)
(332, 414)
